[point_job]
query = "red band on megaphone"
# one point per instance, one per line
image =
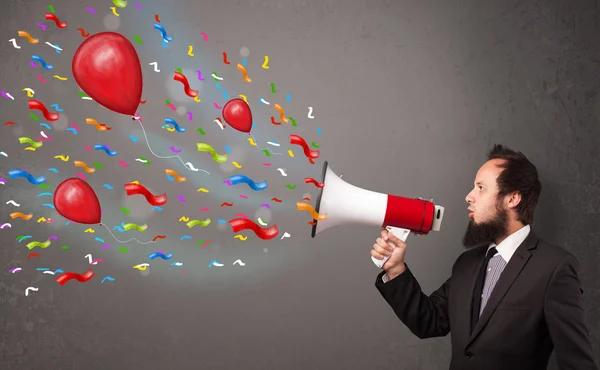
(407, 213)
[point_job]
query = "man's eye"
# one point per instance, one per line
(480, 187)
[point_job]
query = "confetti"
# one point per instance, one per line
(265, 64)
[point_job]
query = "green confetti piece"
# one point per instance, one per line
(146, 162)
(139, 228)
(291, 187)
(123, 249)
(64, 247)
(293, 121)
(220, 158)
(51, 8)
(273, 91)
(179, 70)
(167, 102)
(125, 210)
(193, 223)
(82, 94)
(26, 140)
(43, 186)
(315, 145)
(43, 245)
(202, 242)
(266, 151)
(138, 39)
(34, 117)
(20, 236)
(98, 166)
(200, 130)
(120, 3)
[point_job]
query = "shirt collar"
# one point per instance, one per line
(508, 246)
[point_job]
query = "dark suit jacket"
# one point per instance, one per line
(536, 307)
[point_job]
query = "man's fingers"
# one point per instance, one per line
(383, 244)
(376, 255)
(379, 249)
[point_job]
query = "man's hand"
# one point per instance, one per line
(394, 266)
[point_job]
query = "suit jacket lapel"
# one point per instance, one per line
(507, 278)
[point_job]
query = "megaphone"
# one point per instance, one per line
(344, 203)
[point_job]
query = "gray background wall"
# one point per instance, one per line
(409, 96)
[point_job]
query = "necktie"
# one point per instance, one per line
(476, 304)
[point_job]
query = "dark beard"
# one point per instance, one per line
(486, 232)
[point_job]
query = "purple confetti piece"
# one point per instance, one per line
(106, 246)
(200, 75)
(138, 6)
(227, 182)
(91, 10)
(4, 94)
(2, 180)
(266, 205)
(53, 237)
(13, 269)
(42, 26)
(190, 115)
(32, 64)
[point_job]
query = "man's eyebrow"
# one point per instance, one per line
(479, 183)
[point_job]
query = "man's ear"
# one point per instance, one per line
(514, 199)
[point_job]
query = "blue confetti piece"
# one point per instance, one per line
(253, 124)
(244, 62)
(107, 278)
(163, 32)
(161, 255)
(53, 170)
(319, 130)
(119, 228)
(170, 178)
(241, 179)
(288, 98)
(222, 221)
(99, 240)
(17, 173)
(212, 263)
(133, 138)
(59, 271)
(227, 148)
(225, 95)
(24, 238)
(42, 269)
(44, 194)
(68, 222)
(39, 59)
(218, 86)
(171, 121)
(164, 44)
(72, 129)
(46, 126)
(57, 108)
(48, 205)
(57, 50)
(261, 100)
(108, 186)
(185, 237)
(157, 208)
(110, 153)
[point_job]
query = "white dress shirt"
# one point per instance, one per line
(505, 249)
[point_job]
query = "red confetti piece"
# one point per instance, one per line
(186, 85)
(225, 59)
(313, 181)
(32, 255)
(82, 278)
(53, 17)
(153, 200)
(277, 200)
(274, 122)
(159, 237)
(298, 140)
(225, 204)
(239, 224)
(9, 123)
(34, 104)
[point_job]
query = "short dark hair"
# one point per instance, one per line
(520, 175)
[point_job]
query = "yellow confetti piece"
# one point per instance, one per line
(244, 97)
(291, 153)
(135, 182)
(62, 158)
(141, 267)
(266, 63)
(184, 219)
(60, 78)
(197, 99)
(191, 50)
(203, 190)
(90, 230)
(251, 141)
(240, 237)
(114, 10)
(30, 92)
(41, 219)
(30, 148)
(237, 165)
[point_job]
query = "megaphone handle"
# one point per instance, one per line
(401, 234)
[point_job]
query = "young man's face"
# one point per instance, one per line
(488, 215)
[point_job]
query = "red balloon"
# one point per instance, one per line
(76, 201)
(237, 113)
(107, 67)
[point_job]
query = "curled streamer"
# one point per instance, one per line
(302, 206)
(99, 126)
(84, 166)
(153, 200)
(53, 17)
(171, 172)
(36, 105)
(239, 224)
(241, 179)
(313, 181)
(82, 278)
(139, 228)
(298, 140)
(186, 85)
(106, 150)
(203, 147)
(25, 217)
(203, 223)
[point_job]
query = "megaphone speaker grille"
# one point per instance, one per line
(314, 228)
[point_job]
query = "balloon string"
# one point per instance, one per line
(262, 148)
(113, 235)
(187, 165)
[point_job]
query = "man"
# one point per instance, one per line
(512, 298)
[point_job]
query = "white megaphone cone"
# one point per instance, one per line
(343, 203)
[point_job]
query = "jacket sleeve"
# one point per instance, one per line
(565, 318)
(425, 316)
